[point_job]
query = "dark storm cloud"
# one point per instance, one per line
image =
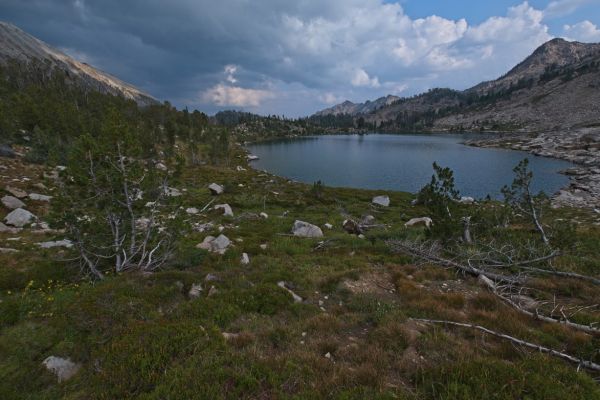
(277, 56)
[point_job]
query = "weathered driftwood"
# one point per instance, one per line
(542, 349)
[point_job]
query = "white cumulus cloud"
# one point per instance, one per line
(584, 31)
(234, 96)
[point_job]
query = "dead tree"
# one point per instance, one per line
(542, 349)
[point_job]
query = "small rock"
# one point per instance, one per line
(172, 192)
(215, 189)
(368, 220)
(245, 260)
(19, 218)
(304, 229)
(195, 290)
(351, 227)
(227, 211)
(383, 201)
(5, 250)
(264, 215)
(60, 243)
(215, 245)
(40, 186)
(416, 221)
(39, 197)
(328, 356)
(211, 278)
(161, 167)
(361, 236)
(240, 168)
(263, 246)
(253, 158)
(18, 193)
(212, 291)
(6, 229)
(12, 203)
(328, 226)
(63, 368)
(192, 210)
(466, 200)
(230, 336)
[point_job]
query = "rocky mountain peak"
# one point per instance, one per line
(17, 45)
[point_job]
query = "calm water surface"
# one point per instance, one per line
(402, 162)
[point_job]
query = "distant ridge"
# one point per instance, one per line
(556, 87)
(17, 45)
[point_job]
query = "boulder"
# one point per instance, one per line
(215, 245)
(215, 189)
(417, 221)
(7, 229)
(304, 229)
(63, 368)
(195, 290)
(39, 197)
(245, 259)
(368, 220)
(466, 200)
(226, 209)
(352, 227)
(18, 193)
(383, 201)
(60, 243)
(12, 203)
(7, 151)
(19, 218)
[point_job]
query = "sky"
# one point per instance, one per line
(294, 57)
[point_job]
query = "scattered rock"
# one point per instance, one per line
(12, 203)
(383, 201)
(18, 193)
(264, 215)
(40, 186)
(328, 226)
(240, 168)
(6, 229)
(60, 243)
(283, 285)
(192, 210)
(39, 197)
(203, 227)
(263, 246)
(161, 167)
(328, 355)
(416, 221)
(212, 291)
(215, 189)
(245, 260)
(304, 229)
(226, 209)
(230, 336)
(4, 250)
(215, 245)
(368, 220)
(172, 192)
(466, 200)
(253, 158)
(195, 290)
(63, 368)
(19, 218)
(7, 151)
(352, 227)
(211, 278)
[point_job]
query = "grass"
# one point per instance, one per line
(142, 336)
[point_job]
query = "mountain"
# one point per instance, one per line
(556, 87)
(18, 46)
(351, 108)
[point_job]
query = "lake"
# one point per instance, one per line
(402, 162)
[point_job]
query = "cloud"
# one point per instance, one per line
(280, 55)
(233, 96)
(584, 31)
(561, 8)
(361, 78)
